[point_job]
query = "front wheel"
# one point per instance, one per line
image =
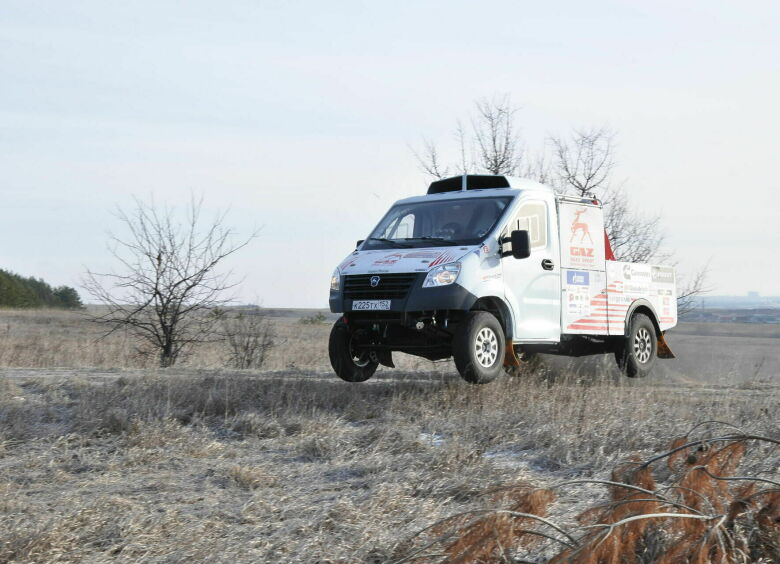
(349, 364)
(478, 348)
(637, 355)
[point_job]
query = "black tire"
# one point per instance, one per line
(348, 365)
(640, 347)
(478, 348)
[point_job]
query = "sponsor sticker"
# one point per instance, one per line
(389, 259)
(578, 302)
(422, 254)
(577, 278)
(632, 272)
(662, 274)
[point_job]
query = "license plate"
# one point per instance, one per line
(382, 305)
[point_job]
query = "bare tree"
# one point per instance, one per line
(496, 136)
(466, 158)
(633, 236)
(429, 160)
(492, 145)
(168, 282)
(582, 164)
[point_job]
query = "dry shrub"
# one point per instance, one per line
(706, 515)
(767, 535)
(490, 537)
(625, 502)
(699, 490)
(249, 336)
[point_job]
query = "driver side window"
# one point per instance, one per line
(405, 227)
(531, 217)
(400, 228)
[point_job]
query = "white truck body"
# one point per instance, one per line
(565, 288)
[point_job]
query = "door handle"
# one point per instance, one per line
(547, 264)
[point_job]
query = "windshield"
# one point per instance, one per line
(437, 223)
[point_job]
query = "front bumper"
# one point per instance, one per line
(452, 297)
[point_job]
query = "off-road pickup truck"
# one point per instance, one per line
(491, 270)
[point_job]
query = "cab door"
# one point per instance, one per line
(532, 285)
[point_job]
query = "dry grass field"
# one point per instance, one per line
(105, 458)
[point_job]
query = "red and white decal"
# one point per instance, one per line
(442, 259)
(582, 242)
(389, 259)
(606, 312)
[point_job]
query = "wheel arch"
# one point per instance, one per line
(499, 308)
(645, 307)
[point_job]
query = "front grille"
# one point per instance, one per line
(390, 287)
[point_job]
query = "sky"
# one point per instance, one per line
(299, 118)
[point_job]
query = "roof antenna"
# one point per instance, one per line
(464, 183)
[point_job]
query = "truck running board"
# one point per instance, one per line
(663, 348)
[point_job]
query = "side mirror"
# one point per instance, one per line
(521, 244)
(360, 242)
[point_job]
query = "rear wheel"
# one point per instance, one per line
(478, 348)
(349, 364)
(637, 356)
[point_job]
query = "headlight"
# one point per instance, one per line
(335, 280)
(443, 275)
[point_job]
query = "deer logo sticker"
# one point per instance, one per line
(580, 226)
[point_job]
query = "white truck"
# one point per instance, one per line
(491, 270)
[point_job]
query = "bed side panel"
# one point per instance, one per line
(628, 282)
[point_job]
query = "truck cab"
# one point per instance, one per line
(491, 270)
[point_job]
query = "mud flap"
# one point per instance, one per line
(510, 358)
(385, 358)
(663, 348)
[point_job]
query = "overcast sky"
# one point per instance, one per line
(298, 117)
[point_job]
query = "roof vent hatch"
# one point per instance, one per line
(468, 182)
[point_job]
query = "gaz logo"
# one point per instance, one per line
(581, 252)
(374, 281)
(580, 227)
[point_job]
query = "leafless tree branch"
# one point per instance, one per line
(168, 281)
(695, 288)
(492, 145)
(582, 164)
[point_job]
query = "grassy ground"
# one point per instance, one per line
(291, 465)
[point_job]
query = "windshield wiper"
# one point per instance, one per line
(391, 242)
(437, 239)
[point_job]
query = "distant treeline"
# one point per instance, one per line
(18, 291)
